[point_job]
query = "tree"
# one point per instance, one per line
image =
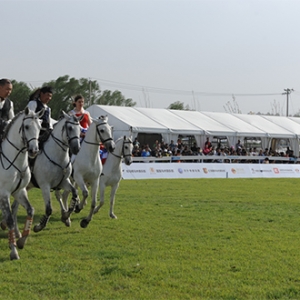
(65, 88)
(114, 98)
(19, 95)
(178, 106)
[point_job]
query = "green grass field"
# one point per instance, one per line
(173, 239)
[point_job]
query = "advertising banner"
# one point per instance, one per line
(209, 170)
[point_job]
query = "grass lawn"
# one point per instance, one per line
(173, 239)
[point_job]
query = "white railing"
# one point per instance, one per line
(218, 159)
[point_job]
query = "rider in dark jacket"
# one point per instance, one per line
(39, 100)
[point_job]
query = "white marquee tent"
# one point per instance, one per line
(131, 121)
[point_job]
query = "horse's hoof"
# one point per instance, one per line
(3, 225)
(21, 242)
(64, 216)
(37, 228)
(113, 216)
(67, 222)
(84, 223)
(77, 209)
(18, 234)
(14, 255)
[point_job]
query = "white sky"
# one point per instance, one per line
(158, 52)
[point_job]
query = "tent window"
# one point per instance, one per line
(219, 142)
(148, 138)
(252, 143)
(280, 145)
(187, 140)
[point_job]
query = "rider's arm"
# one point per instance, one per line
(11, 113)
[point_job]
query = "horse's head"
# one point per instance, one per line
(127, 151)
(30, 128)
(71, 131)
(105, 133)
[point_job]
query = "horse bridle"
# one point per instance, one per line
(25, 141)
(123, 150)
(61, 143)
(99, 133)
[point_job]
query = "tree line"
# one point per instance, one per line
(64, 90)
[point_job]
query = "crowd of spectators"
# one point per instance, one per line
(227, 154)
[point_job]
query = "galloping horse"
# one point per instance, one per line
(20, 140)
(87, 165)
(52, 168)
(112, 173)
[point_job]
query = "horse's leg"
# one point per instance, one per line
(113, 191)
(65, 196)
(68, 186)
(5, 207)
(48, 209)
(79, 182)
(22, 197)
(102, 193)
(94, 189)
(14, 209)
(64, 210)
(3, 224)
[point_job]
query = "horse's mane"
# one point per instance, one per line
(11, 123)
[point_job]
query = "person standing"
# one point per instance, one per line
(6, 105)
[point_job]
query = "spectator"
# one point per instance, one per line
(207, 149)
(179, 145)
(194, 147)
(146, 152)
(185, 151)
(208, 143)
(172, 146)
(238, 146)
(136, 143)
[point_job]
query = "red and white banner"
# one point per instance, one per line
(209, 170)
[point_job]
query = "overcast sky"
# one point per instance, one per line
(202, 53)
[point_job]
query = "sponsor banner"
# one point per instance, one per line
(209, 170)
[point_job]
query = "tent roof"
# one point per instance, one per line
(153, 120)
(207, 124)
(289, 124)
(126, 118)
(240, 126)
(171, 121)
(273, 129)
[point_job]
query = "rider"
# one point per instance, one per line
(79, 111)
(103, 153)
(85, 121)
(37, 101)
(6, 105)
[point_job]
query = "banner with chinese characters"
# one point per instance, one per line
(209, 170)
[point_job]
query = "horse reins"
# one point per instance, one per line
(25, 141)
(123, 151)
(61, 143)
(11, 163)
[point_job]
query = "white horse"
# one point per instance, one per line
(87, 165)
(20, 140)
(52, 168)
(112, 171)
